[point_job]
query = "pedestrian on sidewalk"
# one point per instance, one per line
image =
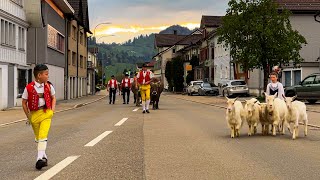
(144, 78)
(126, 88)
(275, 86)
(39, 102)
(112, 87)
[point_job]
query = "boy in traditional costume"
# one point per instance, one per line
(39, 102)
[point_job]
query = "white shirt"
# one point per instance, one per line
(144, 75)
(276, 86)
(40, 89)
(126, 82)
(112, 83)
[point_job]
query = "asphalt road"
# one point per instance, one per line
(182, 140)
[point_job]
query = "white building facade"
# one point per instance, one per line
(14, 72)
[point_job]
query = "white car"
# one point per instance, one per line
(193, 87)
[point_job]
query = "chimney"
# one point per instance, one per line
(175, 32)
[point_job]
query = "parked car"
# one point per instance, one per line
(235, 88)
(308, 89)
(193, 87)
(206, 89)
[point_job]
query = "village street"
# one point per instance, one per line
(182, 140)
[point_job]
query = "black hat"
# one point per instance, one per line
(145, 65)
(112, 76)
(126, 74)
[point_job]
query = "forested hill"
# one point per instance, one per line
(139, 49)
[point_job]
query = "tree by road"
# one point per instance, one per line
(260, 36)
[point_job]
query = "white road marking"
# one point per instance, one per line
(135, 110)
(97, 139)
(57, 168)
(121, 122)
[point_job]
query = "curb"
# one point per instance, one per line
(222, 107)
(68, 109)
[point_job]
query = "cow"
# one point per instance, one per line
(155, 92)
(136, 94)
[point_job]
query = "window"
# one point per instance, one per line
(18, 2)
(212, 53)
(3, 32)
(309, 80)
(317, 80)
(85, 63)
(238, 83)
(173, 50)
(297, 77)
(74, 58)
(85, 41)
(8, 31)
(74, 32)
(21, 44)
(81, 38)
(22, 80)
(55, 39)
(69, 57)
(81, 61)
(287, 78)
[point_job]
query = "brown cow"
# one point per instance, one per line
(155, 92)
(136, 94)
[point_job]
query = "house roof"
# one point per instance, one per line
(151, 64)
(167, 40)
(210, 21)
(81, 12)
(64, 6)
(299, 5)
(191, 39)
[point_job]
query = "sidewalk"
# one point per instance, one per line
(17, 114)
(221, 101)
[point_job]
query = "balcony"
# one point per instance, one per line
(90, 65)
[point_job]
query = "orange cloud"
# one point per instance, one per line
(134, 30)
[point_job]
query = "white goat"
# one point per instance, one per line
(252, 112)
(297, 111)
(277, 112)
(234, 116)
(264, 120)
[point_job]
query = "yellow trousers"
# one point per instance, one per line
(41, 121)
(145, 92)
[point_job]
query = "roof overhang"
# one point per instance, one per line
(64, 6)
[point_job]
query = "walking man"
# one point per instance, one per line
(112, 88)
(126, 86)
(144, 78)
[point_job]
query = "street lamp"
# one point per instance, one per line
(94, 31)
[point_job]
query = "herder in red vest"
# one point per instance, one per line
(112, 88)
(39, 102)
(144, 79)
(126, 87)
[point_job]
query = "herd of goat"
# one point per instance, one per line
(277, 113)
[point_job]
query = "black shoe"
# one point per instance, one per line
(147, 111)
(109, 102)
(143, 112)
(40, 164)
(46, 161)
(113, 102)
(124, 103)
(127, 102)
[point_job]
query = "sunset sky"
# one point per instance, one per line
(131, 18)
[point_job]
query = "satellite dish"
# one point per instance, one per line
(33, 13)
